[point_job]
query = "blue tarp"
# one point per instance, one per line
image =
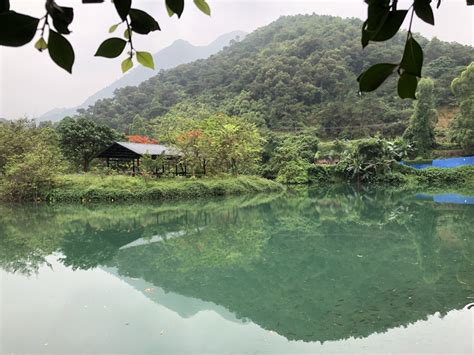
(448, 198)
(445, 163)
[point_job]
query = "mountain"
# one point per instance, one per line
(179, 52)
(299, 71)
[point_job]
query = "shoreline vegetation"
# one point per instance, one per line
(119, 188)
(281, 104)
(91, 188)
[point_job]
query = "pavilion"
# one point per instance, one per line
(120, 152)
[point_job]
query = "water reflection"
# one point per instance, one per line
(310, 266)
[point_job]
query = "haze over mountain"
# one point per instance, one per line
(179, 52)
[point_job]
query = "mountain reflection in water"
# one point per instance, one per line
(309, 266)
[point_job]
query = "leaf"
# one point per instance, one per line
(177, 6)
(127, 34)
(407, 84)
(4, 5)
(373, 77)
(424, 11)
(376, 15)
(391, 25)
(146, 59)
(111, 48)
(114, 27)
(142, 22)
(412, 60)
(203, 6)
(62, 17)
(170, 12)
(17, 29)
(41, 44)
(127, 64)
(123, 8)
(60, 50)
(366, 35)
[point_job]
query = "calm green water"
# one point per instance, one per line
(340, 271)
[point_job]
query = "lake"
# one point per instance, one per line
(344, 270)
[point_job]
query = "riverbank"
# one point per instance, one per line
(116, 188)
(460, 180)
(402, 177)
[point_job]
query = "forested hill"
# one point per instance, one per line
(298, 71)
(179, 52)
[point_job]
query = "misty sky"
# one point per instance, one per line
(32, 84)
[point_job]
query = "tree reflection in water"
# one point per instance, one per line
(310, 266)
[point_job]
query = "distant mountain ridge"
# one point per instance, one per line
(179, 52)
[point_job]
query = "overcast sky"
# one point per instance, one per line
(32, 84)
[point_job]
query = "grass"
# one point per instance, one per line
(94, 188)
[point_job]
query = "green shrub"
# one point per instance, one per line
(294, 172)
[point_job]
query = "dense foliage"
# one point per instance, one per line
(216, 144)
(297, 72)
(463, 125)
(30, 159)
(82, 139)
(420, 131)
(384, 20)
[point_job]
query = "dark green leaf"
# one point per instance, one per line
(177, 6)
(407, 86)
(424, 11)
(376, 15)
(366, 35)
(16, 29)
(123, 8)
(203, 6)
(391, 25)
(412, 60)
(373, 77)
(142, 22)
(60, 50)
(146, 59)
(4, 5)
(127, 64)
(62, 17)
(111, 48)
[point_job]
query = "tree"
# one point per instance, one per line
(232, 144)
(292, 157)
(139, 127)
(82, 139)
(384, 20)
(30, 159)
(463, 125)
(217, 144)
(192, 145)
(269, 79)
(420, 131)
